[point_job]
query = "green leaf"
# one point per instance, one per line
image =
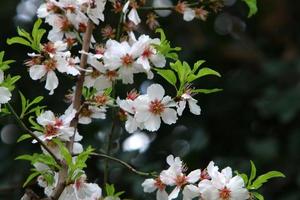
(258, 196)
(31, 177)
(207, 91)
(23, 137)
(197, 65)
(18, 40)
(265, 177)
(25, 157)
(64, 152)
(253, 173)
(162, 34)
(24, 34)
(168, 75)
(252, 4)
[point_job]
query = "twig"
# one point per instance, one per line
(63, 173)
(167, 7)
(124, 164)
(25, 128)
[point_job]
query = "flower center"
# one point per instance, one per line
(181, 180)
(204, 175)
(95, 73)
(82, 27)
(49, 47)
(50, 130)
(86, 112)
(50, 64)
(127, 60)
(159, 184)
(101, 99)
(111, 75)
(147, 53)
(65, 25)
(156, 107)
(224, 194)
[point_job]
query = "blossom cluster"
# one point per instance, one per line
(146, 111)
(206, 184)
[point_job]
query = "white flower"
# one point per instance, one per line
(121, 57)
(148, 54)
(5, 94)
(153, 106)
(150, 185)
(175, 176)
(81, 190)
(228, 187)
(57, 126)
(194, 108)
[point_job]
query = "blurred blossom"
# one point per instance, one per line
(223, 24)
(162, 3)
(9, 134)
(179, 130)
(26, 10)
(180, 148)
(138, 141)
(144, 86)
(229, 2)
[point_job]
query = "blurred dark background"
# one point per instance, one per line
(256, 117)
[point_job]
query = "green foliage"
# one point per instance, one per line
(111, 191)
(252, 4)
(165, 48)
(40, 158)
(31, 107)
(253, 183)
(182, 72)
(32, 40)
(23, 137)
(10, 81)
(4, 65)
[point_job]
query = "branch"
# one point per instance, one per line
(124, 164)
(167, 7)
(63, 173)
(25, 128)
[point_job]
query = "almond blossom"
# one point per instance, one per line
(81, 190)
(187, 98)
(150, 185)
(133, 14)
(91, 112)
(154, 106)
(57, 126)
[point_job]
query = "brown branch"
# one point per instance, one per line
(63, 173)
(26, 129)
(124, 164)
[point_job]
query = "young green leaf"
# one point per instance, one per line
(31, 177)
(258, 196)
(168, 75)
(23, 137)
(252, 4)
(253, 173)
(265, 177)
(207, 91)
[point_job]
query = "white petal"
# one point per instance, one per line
(189, 14)
(169, 116)
(149, 185)
(194, 108)
(153, 123)
(190, 192)
(46, 118)
(51, 82)
(1, 76)
(180, 107)
(174, 194)
(161, 195)
(5, 95)
(194, 176)
(134, 16)
(155, 91)
(37, 71)
(158, 60)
